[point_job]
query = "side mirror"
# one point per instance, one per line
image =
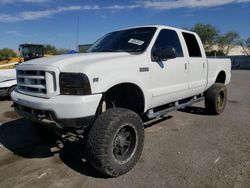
(164, 53)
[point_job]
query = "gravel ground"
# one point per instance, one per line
(186, 149)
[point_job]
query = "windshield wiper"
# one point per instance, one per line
(120, 50)
(109, 50)
(131, 50)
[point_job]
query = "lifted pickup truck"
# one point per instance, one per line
(126, 78)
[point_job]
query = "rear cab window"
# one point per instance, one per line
(192, 45)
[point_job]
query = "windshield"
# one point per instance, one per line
(31, 52)
(130, 40)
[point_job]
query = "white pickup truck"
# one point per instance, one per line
(126, 78)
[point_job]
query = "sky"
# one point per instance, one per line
(55, 21)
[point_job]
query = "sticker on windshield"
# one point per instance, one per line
(135, 41)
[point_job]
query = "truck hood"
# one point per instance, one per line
(72, 62)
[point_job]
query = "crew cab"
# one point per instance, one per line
(127, 77)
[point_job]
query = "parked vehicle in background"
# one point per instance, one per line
(7, 67)
(127, 77)
(31, 51)
(7, 82)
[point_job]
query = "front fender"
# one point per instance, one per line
(111, 80)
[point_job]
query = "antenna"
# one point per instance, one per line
(77, 32)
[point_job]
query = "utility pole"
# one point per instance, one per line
(77, 32)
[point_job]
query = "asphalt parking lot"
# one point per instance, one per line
(186, 149)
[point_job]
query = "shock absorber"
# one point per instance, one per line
(104, 106)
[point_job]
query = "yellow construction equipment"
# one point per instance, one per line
(27, 52)
(10, 63)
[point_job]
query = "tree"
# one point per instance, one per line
(208, 35)
(245, 44)
(228, 41)
(6, 53)
(215, 53)
(50, 50)
(62, 51)
(248, 42)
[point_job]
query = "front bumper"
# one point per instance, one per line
(65, 110)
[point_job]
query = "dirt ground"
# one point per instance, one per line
(186, 149)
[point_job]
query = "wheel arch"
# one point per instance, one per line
(130, 92)
(217, 75)
(221, 77)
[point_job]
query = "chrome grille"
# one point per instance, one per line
(36, 82)
(32, 81)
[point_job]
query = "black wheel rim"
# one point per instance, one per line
(124, 143)
(220, 99)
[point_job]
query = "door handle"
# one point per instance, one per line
(186, 66)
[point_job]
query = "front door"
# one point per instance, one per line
(169, 79)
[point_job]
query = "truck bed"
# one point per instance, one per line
(215, 66)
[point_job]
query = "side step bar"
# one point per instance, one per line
(151, 114)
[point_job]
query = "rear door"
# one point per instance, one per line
(197, 64)
(169, 79)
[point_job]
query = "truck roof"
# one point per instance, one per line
(160, 27)
(29, 44)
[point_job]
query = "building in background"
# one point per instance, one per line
(235, 51)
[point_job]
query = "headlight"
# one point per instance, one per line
(74, 84)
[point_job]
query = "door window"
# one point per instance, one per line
(192, 45)
(170, 38)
